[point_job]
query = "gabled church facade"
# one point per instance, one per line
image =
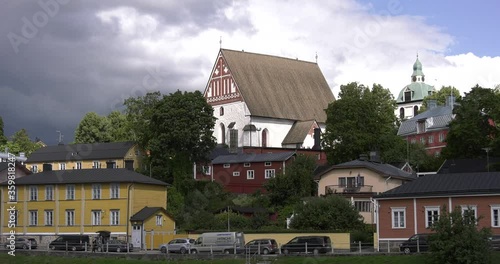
(266, 101)
(411, 97)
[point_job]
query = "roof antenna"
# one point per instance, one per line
(220, 42)
(316, 57)
(60, 138)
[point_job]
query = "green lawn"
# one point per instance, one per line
(380, 259)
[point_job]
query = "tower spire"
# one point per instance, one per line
(220, 42)
(316, 57)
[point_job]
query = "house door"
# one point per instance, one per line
(137, 235)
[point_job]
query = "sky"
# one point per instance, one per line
(60, 59)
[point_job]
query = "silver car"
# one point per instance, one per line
(178, 245)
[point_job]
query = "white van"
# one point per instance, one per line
(219, 242)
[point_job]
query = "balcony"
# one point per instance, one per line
(341, 189)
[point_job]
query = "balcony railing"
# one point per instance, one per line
(331, 189)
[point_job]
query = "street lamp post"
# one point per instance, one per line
(487, 158)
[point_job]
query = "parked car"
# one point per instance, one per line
(262, 246)
(219, 242)
(416, 243)
(115, 245)
(308, 244)
(178, 245)
(70, 242)
(24, 243)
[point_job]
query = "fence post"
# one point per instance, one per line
(279, 248)
(418, 244)
(211, 250)
(332, 248)
(306, 247)
(258, 248)
(66, 245)
(85, 246)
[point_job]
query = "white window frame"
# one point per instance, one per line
(62, 166)
(495, 222)
(96, 165)
(78, 165)
(226, 166)
(96, 191)
(236, 173)
(472, 207)
(33, 220)
(441, 137)
(246, 164)
(159, 220)
(428, 209)
(430, 139)
(96, 217)
(34, 193)
(70, 192)
(49, 192)
(250, 174)
(399, 211)
(269, 173)
(114, 191)
(207, 170)
(268, 163)
(49, 217)
(34, 168)
(114, 217)
(70, 217)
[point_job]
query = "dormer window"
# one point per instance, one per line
(408, 96)
(421, 126)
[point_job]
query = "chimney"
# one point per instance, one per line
(431, 104)
(374, 156)
(317, 139)
(450, 100)
(47, 167)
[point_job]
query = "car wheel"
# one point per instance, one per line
(99, 249)
(286, 252)
(316, 251)
(163, 250)
(73, 248)
(227, 251)
(53, 247)
(183, 250)
(407, 250)
(194, 251)
(118, 250)
(265, 251)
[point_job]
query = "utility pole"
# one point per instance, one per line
(487, 158)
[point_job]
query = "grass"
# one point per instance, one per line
(378, 259)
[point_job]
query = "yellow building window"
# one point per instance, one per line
(49, 192)
(33, 221)
(114, 191)
(33, 193)
(70, 217)
(49, 217)
(159, 220)
(96, 191)
(114, 217)
(70, 192)
(96, 217)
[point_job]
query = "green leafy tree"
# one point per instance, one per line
(440, 96)
(326, 213)
(3, 138)
(181, 133)
(175, 203)
(360, 121)
(232, 220)
(119, 128)
(139, 111)
(296, 183)
(21, 142)
(93, 128)
(457, 239)
(475, 125)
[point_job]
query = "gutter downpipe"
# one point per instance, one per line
(128, 216)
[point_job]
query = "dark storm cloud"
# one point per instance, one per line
(73, 63)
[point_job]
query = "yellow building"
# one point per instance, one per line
(86, 201)
(86, 156)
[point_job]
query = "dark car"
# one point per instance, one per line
(178, 245)
(262, 246)
(308, 244)
(416, 243)
(70, 242)
(24, 243)
(115, 245)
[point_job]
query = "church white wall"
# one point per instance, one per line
(233, 112)
(277, 130)
(408, 109)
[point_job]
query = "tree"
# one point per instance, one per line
(180, 134)
(21, 142)
(326, 213)
(3, 138)
(457, 239)
(93, 128)
(360, 121)
(440, 96)
(475, 125)
(119, 128)
(295, 184)
(139, 112)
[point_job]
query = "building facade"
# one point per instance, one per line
(83, 201)
(266, 101)
(360, 180)
(412, 208)
(410, 98)
(86, 156)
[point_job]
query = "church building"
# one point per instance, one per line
(267, 101)
(410, 98)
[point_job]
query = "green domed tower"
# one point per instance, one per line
(410, 98)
